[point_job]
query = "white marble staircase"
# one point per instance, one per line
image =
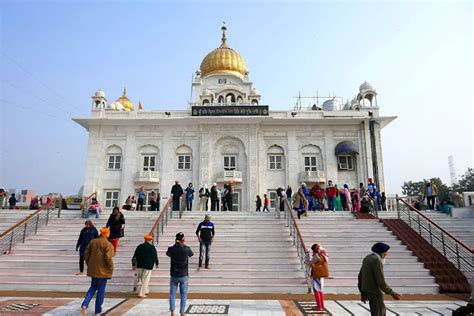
(461, 228)
(48, 261)
(9, 218)
(251, 253)
(349, 240)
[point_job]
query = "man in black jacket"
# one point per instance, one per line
(205, 233)
(179, 254)
(144, 258)
(176, 192)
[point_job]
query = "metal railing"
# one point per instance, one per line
(28, 226)
(453, 249)
(158, 227)
(85, 201)
(298, 242)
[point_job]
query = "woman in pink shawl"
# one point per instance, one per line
(319, 253)
(347, 193)
(356, 200)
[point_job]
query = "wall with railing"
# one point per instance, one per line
(453, 249)
(29, 226)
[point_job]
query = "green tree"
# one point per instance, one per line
(466, 183)
(411, 188)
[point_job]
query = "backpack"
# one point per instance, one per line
(320, 269)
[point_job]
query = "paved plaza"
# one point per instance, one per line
(142, 307)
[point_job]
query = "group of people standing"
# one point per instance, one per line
(220, 199)
(335, 199)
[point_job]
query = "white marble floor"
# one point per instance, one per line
(160, 307)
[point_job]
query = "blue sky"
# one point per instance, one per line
(56, 54)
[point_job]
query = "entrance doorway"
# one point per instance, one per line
(236, 201)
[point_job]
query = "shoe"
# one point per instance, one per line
(206, 267)
(83, 310)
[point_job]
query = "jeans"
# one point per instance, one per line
(97, 284)
(183, 290)
(204, 250)
(189, 203)
(140, 204)
(331, 202)
(430, 200)
(89, 213)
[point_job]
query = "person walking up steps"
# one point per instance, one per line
(205, 233)
(179, 255)
(100, 267)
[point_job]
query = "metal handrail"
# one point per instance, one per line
(298, 241)
(84, 202)
(456, 251)
(375, 211)
(20, 231)
(162, 220)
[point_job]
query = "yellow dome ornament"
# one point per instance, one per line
(223, 60)
(125, 101)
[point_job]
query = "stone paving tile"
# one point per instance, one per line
(74, 307)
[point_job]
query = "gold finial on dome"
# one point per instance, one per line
(223, 60)
(125, 101)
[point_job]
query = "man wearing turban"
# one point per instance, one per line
(144, 258)
(372, 282)
(100, 267)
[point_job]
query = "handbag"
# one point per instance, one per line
(320, 269)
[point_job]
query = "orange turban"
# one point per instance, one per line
(105, 231)
(148, 237)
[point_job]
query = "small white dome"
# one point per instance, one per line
(115, 106)
(331, 105)
(366, 87)
(255, 92)
(100, 93)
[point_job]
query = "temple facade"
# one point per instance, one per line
(226, 134)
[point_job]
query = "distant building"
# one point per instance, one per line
(226, 134)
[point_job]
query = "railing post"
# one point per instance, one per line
(162, 226)
(409, 217)
(24, 231)
(457, 256)
(431, 234)
(36, 226)
(157, 234)
(444, 245)
(60, 206)
(11, 242)
(419, 225)
(397, 205)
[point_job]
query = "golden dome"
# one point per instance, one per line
(125, 101)
(223, 60)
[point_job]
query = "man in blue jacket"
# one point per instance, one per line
(179, 254)
(205, 234)
(88, 233)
